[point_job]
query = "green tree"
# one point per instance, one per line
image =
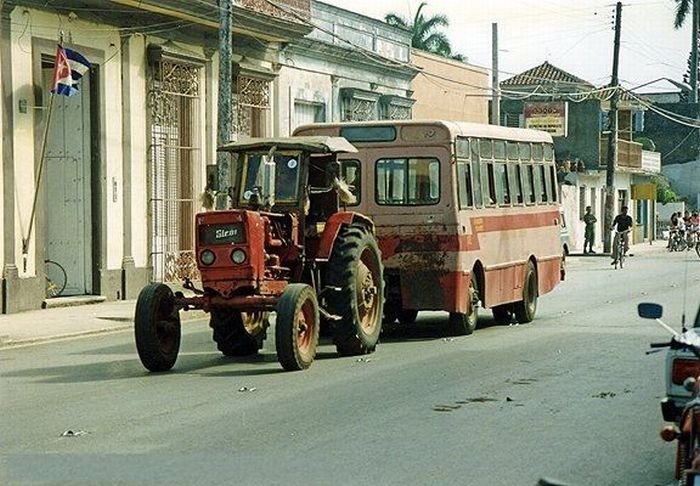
(426, 35)
(664, 193)
(683, 7)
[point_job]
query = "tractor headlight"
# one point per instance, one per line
(238, 256)
(207, 257)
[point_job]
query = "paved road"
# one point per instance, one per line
(571, 396)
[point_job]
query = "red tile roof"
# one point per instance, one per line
(544, 74)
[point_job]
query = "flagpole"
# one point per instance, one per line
(25, 241)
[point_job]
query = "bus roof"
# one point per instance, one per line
(456, 129)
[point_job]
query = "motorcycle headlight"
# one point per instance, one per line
(207, 257)
(238, 256)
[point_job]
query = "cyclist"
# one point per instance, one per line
(622, 225)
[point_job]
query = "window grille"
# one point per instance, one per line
(174, 163)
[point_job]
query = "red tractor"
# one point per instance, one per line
(288, 246)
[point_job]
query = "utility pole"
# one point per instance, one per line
(694, 54)
(223, 134)
(612, 135)
(495, 101)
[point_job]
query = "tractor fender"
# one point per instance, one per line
(333, 227)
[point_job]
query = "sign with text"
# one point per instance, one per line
(551, 117)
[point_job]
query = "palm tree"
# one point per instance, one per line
(683, 7)
(425, 34)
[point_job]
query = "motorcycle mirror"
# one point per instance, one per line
(649, 310)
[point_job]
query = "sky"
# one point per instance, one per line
(576, 36)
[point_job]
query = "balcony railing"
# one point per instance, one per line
(292, 10)
(629, 154)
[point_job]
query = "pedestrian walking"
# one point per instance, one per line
(589, 220)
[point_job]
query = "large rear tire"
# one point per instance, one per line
(157, 327)
(525, 309)
(355, 268)
(297, 327)
(238, 333)
(465, 324)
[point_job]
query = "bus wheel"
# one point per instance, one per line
(355, 268)
(526, 308)
(465, 324)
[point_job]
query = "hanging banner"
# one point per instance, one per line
(551, 117)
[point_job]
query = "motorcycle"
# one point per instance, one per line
(681, 406)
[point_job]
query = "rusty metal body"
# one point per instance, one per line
(433, 241)
(277, 253)
(274, 248)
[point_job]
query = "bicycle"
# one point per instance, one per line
(621, 252)
(56, 278)
(677, 241)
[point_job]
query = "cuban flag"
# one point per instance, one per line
(70, 67)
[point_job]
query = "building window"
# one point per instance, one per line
(251, 106)
(359, 105)
(306, 112)
(581, 202)
(175, 162)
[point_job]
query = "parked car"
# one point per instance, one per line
(564, 235)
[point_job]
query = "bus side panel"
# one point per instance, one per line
(548, 274)
(503, 284)
(455, 287)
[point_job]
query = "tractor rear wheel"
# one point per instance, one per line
(157, 327)
(238, 333)
(297, 327)
(355, 269)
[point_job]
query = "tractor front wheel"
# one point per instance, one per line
(157, 327)
(297, 327)
(355, 269)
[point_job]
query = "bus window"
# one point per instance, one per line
(350, 172)
(537, 152)
(486, 149)
(516, 185)
(499, 149)
(464, 179)
(525, 151)
(547, 190)
(553, 178)
(488, 183)
(408, 182)
(476, 183)
(502, 187)
(548, 152)
(529, 183)
(540, 190)
(462, 147)
(512, 151)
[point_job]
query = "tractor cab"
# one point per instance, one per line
(284, 246)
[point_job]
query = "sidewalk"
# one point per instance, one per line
(68, 320)
(60, 322)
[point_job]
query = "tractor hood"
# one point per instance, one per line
(311, 144)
